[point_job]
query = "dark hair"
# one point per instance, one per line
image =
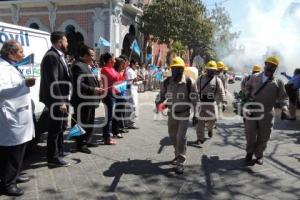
(124, 57)
(297, 71)
(9, 47)
(84, 50)
(132, 61)
(105, 57)
(56, 36)
(118, 64)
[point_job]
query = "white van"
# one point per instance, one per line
(33, 41)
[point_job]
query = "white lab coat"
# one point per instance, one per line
(130, 75)
(16, 122)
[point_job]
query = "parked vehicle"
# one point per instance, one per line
(33, 42)
(231, 79)
(238, 76)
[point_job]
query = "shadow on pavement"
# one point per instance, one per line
(163, 143)
(143, 168)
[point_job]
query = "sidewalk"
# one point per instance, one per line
(137, 167)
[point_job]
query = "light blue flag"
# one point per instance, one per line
(75, 131)
(135, 47)
(25, 61)
(103, 42)
(149, 57)
(121, 88)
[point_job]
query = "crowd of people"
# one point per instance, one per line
(117, 82)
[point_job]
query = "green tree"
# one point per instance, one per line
(183, 21)
(223, 37)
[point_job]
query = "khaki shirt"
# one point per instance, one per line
(176, 95)
(274, 91)
(214, 89)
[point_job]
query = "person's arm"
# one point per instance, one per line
(286, 76)
(51, 67)
(161, 97)
(282, 95)
(194, 96)
(7, 92)
(221, 90)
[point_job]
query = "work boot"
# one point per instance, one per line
(179, 169)
(13, 190)
(248, 158)
(199, 141)
(259, 161)
(174, 161)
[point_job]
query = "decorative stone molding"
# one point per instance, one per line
(15, 10)
(52, 8)
(99, 14)
(117, 14)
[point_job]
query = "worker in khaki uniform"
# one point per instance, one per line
(265, 89)
(209, 86)
(220, 74)
(180, 95)
(255, 69)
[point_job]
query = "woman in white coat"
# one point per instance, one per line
(15, 117)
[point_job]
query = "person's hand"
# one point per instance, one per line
(63, 108)
(99, 91)
(30, 81)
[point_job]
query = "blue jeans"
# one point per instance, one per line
(109, 102)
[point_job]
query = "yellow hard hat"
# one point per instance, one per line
(220, 65)
(256, 68)
(273, 60)
(211, 65)
(177, 62)
(226, 69)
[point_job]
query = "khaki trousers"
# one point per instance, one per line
(207, 115)
(258, 134)
(177, 132)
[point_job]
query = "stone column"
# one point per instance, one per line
(52, 7)
(15, 10)
(116, 30)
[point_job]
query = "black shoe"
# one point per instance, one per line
(259, 161)
(174, 161)
(210, 134)
(23, 179)
(93, 144)
(13, 190)
(84, 149)
(58, 162)
(291, 118)
(179, 169)
(199, 142)
(248, 158)
(123, 131)
(64, 154)
(132, 127)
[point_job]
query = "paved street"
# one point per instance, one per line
(137, 167)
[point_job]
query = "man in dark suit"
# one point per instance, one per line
(85, 96)
(55, 94)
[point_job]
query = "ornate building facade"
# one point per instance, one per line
(91, 19)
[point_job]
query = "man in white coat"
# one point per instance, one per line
(15, 117)
(132, 78)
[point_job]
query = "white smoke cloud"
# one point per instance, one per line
(272, 27)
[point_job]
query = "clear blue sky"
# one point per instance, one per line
(237, 10)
